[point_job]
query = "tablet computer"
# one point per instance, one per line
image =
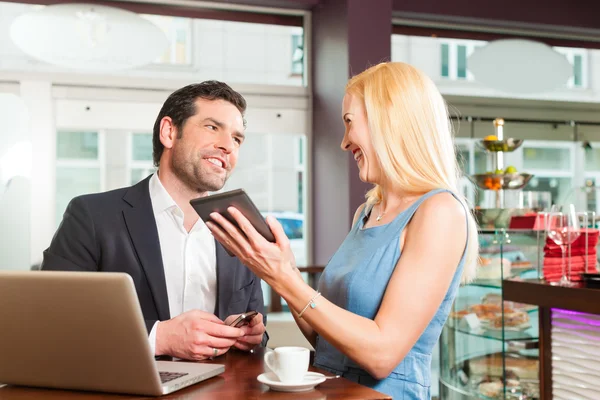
(239, 199)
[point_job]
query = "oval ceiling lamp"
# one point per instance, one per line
(88, 37)
(519, 66)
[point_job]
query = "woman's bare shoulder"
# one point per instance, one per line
(441, 210)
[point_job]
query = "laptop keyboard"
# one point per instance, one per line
(169, 376)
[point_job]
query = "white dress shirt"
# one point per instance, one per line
(189, 258)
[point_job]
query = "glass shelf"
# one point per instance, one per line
(509, 336)
(522, 232)
(487, 283)
(497, 283)
(529, 334)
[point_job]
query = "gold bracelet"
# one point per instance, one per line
(310, 304)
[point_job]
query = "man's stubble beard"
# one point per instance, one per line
(193, 174)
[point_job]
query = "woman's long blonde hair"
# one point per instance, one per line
(412, 136)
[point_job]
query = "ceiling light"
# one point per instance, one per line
(519, 66)
(88, 37)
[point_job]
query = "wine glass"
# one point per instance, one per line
(563, 228)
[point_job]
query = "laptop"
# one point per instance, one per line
(83, 331)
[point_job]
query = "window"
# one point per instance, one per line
(590, 193)
(454, 56)
(79, 167)
(297, 54)
(578, 71)
(592, 158)
(578, 58)
(445, 47)
(546, 158)
(461, 61)
(300, 171)
(552, 166)
(140, 157)
(300, 191)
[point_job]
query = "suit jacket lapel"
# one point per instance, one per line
(144, 236)
(225, 270)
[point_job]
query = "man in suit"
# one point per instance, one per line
(185, 281)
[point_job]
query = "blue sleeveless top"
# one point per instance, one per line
(355, 279)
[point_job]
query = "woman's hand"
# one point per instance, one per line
(269, 261)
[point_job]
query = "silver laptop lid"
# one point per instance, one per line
(74, 330)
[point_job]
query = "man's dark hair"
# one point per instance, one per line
(181, 105)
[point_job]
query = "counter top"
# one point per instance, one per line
(539, 292)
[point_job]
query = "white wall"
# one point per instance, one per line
(15, 183)
(37, 96)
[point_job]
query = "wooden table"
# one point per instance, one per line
(237, 382)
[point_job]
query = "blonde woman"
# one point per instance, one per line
(386, 293)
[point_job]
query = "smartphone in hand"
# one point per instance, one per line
(243, 319)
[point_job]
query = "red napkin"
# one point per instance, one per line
(575, 260)
(574, 268)
(553, 272)
(575, 252)
(553, 256)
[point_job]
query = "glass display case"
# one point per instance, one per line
(489, 347)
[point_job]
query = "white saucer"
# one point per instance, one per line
(311, 379)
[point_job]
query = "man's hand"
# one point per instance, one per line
(195, 335)
(254, 331)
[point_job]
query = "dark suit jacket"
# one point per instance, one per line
(116, 232)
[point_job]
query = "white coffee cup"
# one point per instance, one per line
(290, 364)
